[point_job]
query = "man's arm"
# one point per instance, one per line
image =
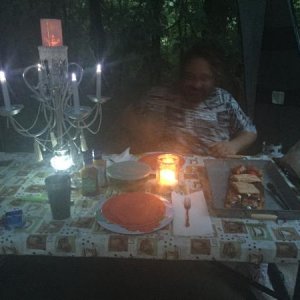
(241, 142)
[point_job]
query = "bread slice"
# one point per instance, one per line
(245, 188)
(245, 178)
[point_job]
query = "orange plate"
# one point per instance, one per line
(135, 212)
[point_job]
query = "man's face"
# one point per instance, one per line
(198, 80)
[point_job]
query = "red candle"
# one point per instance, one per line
(51, 32)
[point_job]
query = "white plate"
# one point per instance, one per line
(128, 170)
(169, 214)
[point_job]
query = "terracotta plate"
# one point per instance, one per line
(135, 213)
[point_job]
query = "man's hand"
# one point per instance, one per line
(234, 146)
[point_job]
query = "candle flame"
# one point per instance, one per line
(61, 160)
(54, 41)
(99, 69)
(74, 79)
(2, 76)
(61, 163)
(167, 177)
(168, 169)
(51, 32)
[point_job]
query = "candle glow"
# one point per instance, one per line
(40, 83)
(167, 170)
(51, 32)
(2, 76)
(98, 81)
(62, 162)
(5, 91)
(74, 78)
(98, 70)
(75, 94)
(167, 177)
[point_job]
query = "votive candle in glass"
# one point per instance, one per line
(167, 169)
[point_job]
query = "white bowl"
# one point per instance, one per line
(128, 170)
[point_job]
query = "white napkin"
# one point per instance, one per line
(124, 156)
(200, 223)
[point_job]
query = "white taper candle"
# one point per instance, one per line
(98, 81)
(40, 83)
(5, 91)
(75, 94)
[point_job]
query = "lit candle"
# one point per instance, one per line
(40, 84)
(167, 170)
(51, 32)
(61, 161)
(75, 94)
(167, 177)
(5, 91)
(98, 82)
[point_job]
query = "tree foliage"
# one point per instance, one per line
(139, 41)
(296, 8)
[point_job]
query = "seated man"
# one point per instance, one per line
(194, 116)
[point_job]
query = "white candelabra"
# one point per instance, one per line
(56, 91)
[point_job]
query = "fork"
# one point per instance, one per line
(187, 205)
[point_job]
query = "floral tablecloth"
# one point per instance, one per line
(233, 239)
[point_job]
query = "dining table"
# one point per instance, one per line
(213, 234)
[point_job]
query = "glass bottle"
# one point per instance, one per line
(100, 165)
(89, 176)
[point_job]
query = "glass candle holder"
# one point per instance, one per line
(167, 173)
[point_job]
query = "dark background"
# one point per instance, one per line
(139, 44)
